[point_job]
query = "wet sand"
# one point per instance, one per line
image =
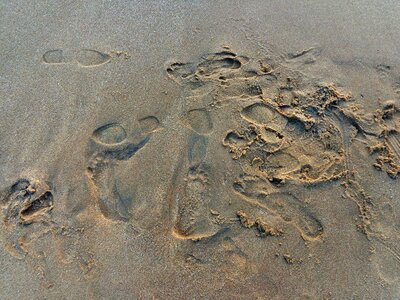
(200, 150)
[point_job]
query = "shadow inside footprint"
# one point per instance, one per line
(91, 58)
(54, 57)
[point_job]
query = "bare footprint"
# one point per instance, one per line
(193, 216)
(26, 202)
(54, 57)
(387, 263)
(110, 145)
(197, 149)
(179, 72)
(110, 134)
(149, 124)
(279, 144)
(198, 120)
(193, 220)
(240, 89)
(261, 114)
(218, 62)
(285, 205)
(305, 57)
(215, 67)
(91, 58)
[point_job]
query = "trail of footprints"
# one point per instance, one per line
(274, 147)
(292, 137)
(290, 134)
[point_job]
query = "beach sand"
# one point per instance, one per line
(200, 149)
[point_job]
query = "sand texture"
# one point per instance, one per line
(200, 149)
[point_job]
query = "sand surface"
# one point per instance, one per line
(200, 149)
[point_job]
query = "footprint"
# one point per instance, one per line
(84, 57)
(387, 263)
(265, 225)
(54, 57)
(383, 70)
(180, 71)
(241, 90)
(239, 142)
(308, 56)
(110, 134)
(193, 196)
(393, 158)
(218, 67)
(283, 204)
(258, 113)
(288, 145)
(258, 143)
(149, 124)
(388, 147)
(26, 202)
(108, 146)
(236, 140)
(394, 142)
(222, 66)
(221, 77)
(199, 120)
(391, 116)
(111, 204)
(281, 163)
(36, 208)
(193, 220)
(214, 65)
(262, 115)
(91, 58)
(197, 149)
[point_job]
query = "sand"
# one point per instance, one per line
(200, 150)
